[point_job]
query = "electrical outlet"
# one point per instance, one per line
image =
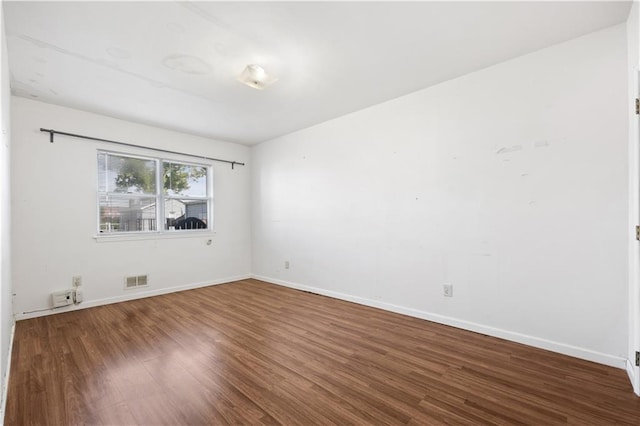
(447, 290)
(78, 296)
(76, 281)
(286, 264)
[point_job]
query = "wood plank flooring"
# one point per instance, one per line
(254, 353)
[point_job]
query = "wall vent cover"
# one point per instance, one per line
(136, 281)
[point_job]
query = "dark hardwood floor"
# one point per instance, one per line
(254, 353)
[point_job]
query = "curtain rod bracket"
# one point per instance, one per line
(51, 132)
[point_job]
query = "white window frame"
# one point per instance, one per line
(160, 198)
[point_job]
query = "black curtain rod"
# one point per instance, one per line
(56, 132)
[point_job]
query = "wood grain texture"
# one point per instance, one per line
(254, 353)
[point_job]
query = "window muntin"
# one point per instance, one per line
(129, 199)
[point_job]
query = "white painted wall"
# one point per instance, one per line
(510, 183)
(633, 62)
(54, 210)
(6, 315)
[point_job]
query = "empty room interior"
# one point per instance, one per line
(414, 213)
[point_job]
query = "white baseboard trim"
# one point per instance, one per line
(126, 297)
(537, 342)
(631, 372)
(5, 379)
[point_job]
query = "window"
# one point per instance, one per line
(142, 194)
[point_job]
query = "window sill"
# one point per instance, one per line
(153, 236)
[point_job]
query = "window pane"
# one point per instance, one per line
(102, 172)
(184, 179)
(185, 214)
(126, 214)
(126, 175)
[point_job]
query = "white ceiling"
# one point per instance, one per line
(174, 64)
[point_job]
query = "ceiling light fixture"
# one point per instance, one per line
(255, 76)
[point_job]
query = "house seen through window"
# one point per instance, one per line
(142, 194)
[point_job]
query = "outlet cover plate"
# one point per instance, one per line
(447, 289)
